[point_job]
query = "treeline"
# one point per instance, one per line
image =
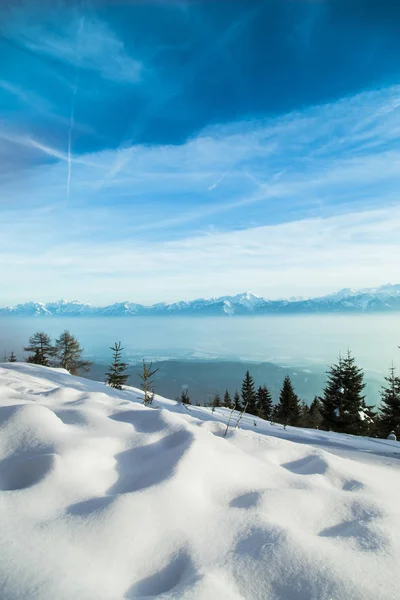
(341, 407)
(65, 352)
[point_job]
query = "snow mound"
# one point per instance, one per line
(103, 498)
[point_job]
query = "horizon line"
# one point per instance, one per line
(289, 299)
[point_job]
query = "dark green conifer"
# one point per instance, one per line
(216, 401)
(184, 397)
(68, 354)
(314, 414)
(227, 402)
(288, 409)
(264, 403)
(248, 394)
(41, 349)
(389, 410)
(304, 418)
(237, 403)
(117, 376)
(343, 401)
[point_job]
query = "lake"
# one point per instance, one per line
(309, 341)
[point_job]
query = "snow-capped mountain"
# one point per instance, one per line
(119, 309)
(383, 299)
(59, 308)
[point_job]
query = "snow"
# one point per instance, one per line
(103, 498)
(384, 298)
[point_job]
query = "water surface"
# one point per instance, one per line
(310, 341)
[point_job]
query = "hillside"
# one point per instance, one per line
(102, 498)
(206, 378)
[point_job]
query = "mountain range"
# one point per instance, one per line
(370, 300)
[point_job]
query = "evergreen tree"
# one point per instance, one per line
(314, 414)
(369, 417)
(41, 349)
(227, 402)
(68, 353)
(237, 403)
(304, 417)
(117, 376)
(249, 396)
(288, 409)
(184, 397)
(216, 401)
(275, 413)
(12, 358)
(264, 403)
(147, 384)
(390, 405)
(343, 400)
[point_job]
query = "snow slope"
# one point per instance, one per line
(104, 499)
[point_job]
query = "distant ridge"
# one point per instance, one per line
(370, 300)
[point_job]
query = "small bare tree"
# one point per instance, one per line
(229, 420)
(240, 416)
(147, 384)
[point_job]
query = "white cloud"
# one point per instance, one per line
(84, 42)
(33, 100)
(150, 230)
(303, 257)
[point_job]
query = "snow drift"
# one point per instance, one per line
(102, 498)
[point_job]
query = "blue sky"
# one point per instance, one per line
(162, 150)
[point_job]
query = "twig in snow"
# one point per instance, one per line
(229, 420)
(240, 416)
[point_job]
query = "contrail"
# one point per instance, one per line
(219, 180)
(72, 115)
(71, 126)
(157, 102)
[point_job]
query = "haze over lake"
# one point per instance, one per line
(312, 341)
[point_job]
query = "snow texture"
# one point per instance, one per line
(102, 498)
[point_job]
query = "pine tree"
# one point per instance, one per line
(249, 396)
(41, 349)
(184, 397)
(227, 402)
(274, 414)
(264, 403)
(343, 400)
(369, 417)
(237, 403)
(147, 385)
(12, 358)
(117, 376)
(314, 414)
(302, 421)
(69, 352)
(288, 409)
(390, 405)
(216, 401)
